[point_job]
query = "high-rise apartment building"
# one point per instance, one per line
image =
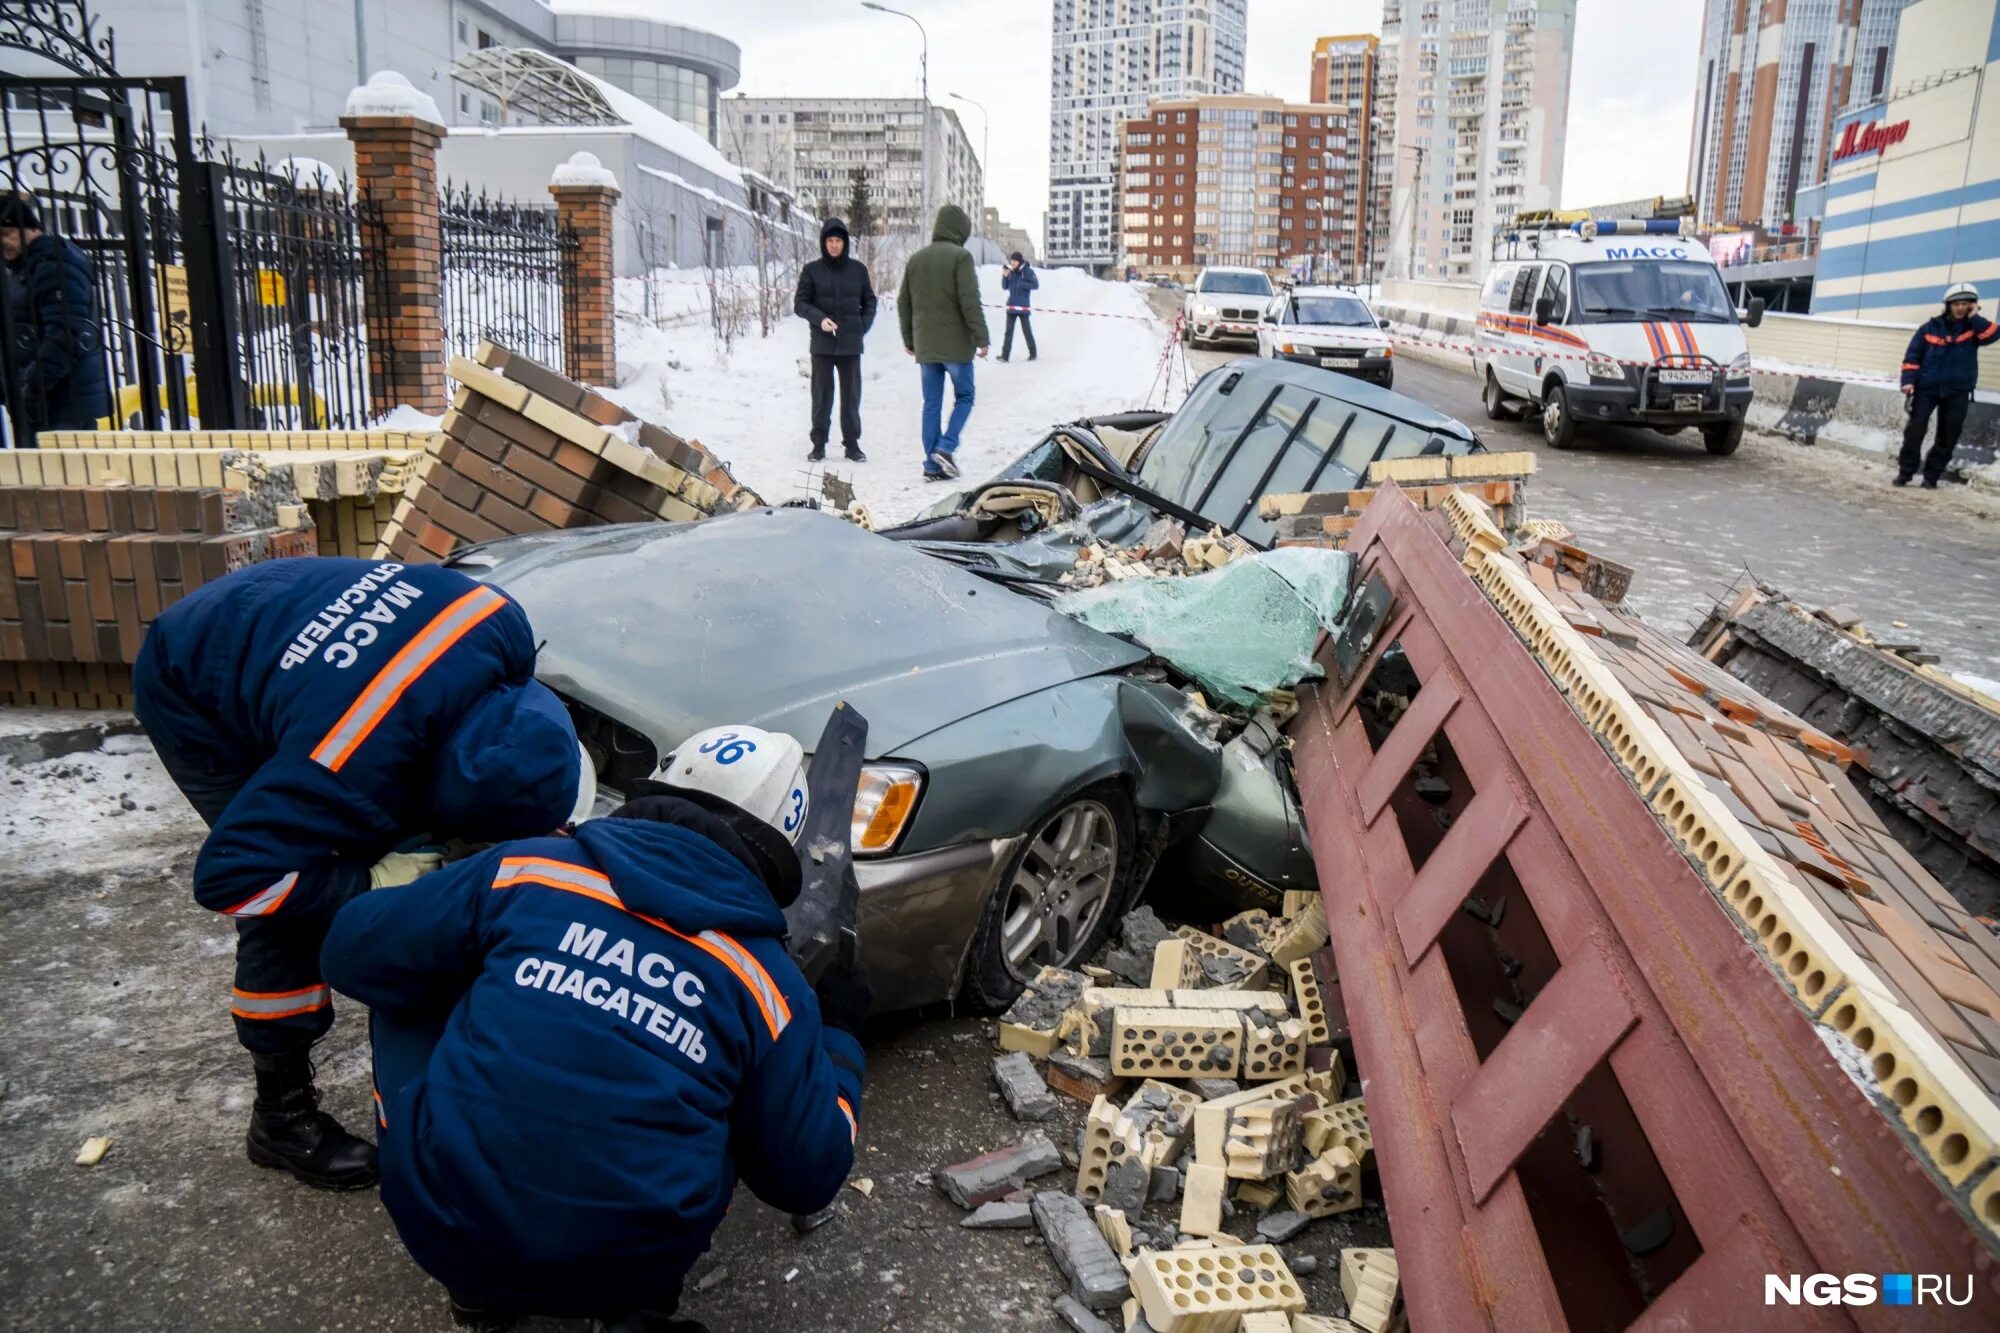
(1109, 58)
(1774, 74)
(812, 146)
(1346, 73)
(1244, 180)
(1481, 91)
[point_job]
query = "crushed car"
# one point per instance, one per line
(1025, 772)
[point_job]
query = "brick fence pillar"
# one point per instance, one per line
(395, 131)
(585, 190)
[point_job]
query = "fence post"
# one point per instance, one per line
(395, 131)
(585, 190)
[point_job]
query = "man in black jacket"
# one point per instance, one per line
(836, 300)
(57, 360)
(1940, 369)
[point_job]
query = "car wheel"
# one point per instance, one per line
(1558, 426)
(1723, 437)
(1497, 406)
(1388, 379)
(1057, 898)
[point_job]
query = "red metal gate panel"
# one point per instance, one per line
(1716, 1139)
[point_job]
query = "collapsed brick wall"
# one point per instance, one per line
(1326, 518)
(528, 450)
(85, 569)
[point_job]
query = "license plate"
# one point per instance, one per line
(1341, 362)
(1685, 376)
(1687, 402)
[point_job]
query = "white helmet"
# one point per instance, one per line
(586, 786)
(760, 772)
(1961, 291)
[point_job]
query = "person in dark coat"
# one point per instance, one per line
(1940, 370)
(1020, 281)
(837, 302)
(57, 360)
(327, 718)
(583, 1044)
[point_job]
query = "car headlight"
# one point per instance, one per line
(1204, 311)
(883, 804)
(1603, 368)
(1291, 349)
(1739, 367)
(1387, 351)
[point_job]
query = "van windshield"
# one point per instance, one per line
(1236, 284)
(1651, 289)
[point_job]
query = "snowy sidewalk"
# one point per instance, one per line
(752, 405)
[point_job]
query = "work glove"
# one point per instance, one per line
(845, 996)
(402, 867)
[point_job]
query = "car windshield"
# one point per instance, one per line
(1236, 284)
(1342, 310)
(1652, 289)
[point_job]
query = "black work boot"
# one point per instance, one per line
(289, 1132)
(818, 454)
(481, 1320)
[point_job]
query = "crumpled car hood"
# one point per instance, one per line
(770, 617)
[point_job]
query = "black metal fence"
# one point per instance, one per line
(509, 274)
(303, 250)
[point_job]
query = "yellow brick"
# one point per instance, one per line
(1515, 463)
(580, 431)
(1436, 468)
(1953, 1119)
(10, 467)
(678, 511)
(472, 375)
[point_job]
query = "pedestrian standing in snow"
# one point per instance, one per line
(837, 302)
(1020, 281)
(1940, 369)
(943, 328)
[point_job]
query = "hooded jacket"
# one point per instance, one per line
(1020, 285)
(52, 300)
(938, 304)
(1943, 355)
(839, 290)
(627, 1038)
(351, 705)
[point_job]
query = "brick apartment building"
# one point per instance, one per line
(1236, 179)
(1346, 73)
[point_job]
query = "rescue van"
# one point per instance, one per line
(1623, 322)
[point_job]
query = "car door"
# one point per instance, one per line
(1515, 365)
(1270, 327)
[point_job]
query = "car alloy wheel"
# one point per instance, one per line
(1060, 889)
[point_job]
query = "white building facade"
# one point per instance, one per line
(1108, 60)
(1481, 92)
(812, 146)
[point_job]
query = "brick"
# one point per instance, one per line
(1022, 1088)
(580, 462)
(994, 1175)
(617, 509)
(546, 476)
(1097, 1279)
(603, 411)
(555, 512)
(538, 379)
(518, 428)
(512, 518)
(1000, 1215)
(70, 502)
(1082, 1078)
(1234, 1282)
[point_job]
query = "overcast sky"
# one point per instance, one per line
(1631, 94)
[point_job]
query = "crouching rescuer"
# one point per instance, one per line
(329, 718)
(583, 1043)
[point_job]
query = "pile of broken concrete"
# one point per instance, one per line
(1218, 1130)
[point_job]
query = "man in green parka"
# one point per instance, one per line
(943, 328)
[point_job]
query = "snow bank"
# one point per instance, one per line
(751, 405)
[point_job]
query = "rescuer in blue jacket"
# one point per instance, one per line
(322, 715)
(1940, 370)
(582, 1044)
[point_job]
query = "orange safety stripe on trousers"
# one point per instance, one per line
(853, 1128)
(585, 882)
(263, 1006)
(403, 670)
(380, 1119)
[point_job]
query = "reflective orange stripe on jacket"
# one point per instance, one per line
(595, 884)
(415, 657)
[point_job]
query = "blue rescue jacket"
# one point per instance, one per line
(1943, 355)
(1020, 285)
(344, 707)
(627, 1038)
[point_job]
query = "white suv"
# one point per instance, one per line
(1225, 303)
(1329, 327)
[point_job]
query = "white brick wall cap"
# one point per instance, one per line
(388, 93)
(583, 169)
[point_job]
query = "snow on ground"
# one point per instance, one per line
(113, 810)
(751, 405)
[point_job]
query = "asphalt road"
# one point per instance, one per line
(1820, 523)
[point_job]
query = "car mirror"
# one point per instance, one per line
(1545, 309)
(1753, 314)
(1382, 322)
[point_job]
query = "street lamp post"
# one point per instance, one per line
(985, 155)
(924, 130)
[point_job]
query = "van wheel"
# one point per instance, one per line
(1558, 425)
(1723, 437)
(1497, 406)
